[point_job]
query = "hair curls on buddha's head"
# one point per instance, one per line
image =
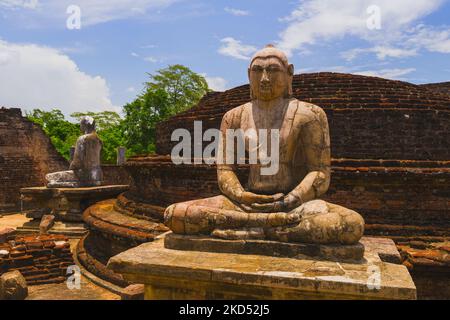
(269, 51)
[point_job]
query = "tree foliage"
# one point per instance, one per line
(141, 117)
(169, 91)
(63, 134)
(184, 87)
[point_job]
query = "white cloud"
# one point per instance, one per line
(216, 83)
(237, 12)
(382, 52)
(149, 46)
(234, 48)
(394, 74)
(34, 76)
(92, 11)
(131, 89)
(134, 54)
(317, 21)
(433, 39)
(15, 4)
(151, 59)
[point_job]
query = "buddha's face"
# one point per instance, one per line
(269, 78)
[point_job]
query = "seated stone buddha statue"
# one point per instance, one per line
(85, 169)
(283, 206)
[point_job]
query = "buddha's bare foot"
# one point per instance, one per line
(322, 223)
(239, 234)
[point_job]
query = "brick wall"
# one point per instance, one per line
(41, 259)
(26, 155)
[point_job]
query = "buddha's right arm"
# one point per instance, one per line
(229, 184)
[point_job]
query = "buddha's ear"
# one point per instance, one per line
(248, 72)
(291, 69)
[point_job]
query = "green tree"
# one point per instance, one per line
(63, 134)
(141, 117)
(104, 120)
(170, 91)
(184, 87)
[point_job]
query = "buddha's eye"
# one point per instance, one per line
(257, 69)
(273, 69)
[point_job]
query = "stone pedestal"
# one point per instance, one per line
(66, 204)
(179, 274)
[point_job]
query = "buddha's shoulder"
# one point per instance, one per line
(89, 138)
(306, 112)
(236, 113)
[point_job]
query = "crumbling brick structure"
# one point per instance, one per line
(26, 155)
(41, 259)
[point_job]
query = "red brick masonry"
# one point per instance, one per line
(41, 259)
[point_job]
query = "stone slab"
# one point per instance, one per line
(178, 274)
(66, 204)
(70, 229)
(265, 248)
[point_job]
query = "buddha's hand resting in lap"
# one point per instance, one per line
(248, 199)
(286, 204)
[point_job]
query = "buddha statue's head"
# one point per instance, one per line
(87, 124)
(270, 75)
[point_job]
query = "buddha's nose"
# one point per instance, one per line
(265, 77)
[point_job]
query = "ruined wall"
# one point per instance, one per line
(40, 259)
(26, 155)
(115, 175)
(443, 87)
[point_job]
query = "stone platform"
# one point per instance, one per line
(265, 248)
(66, 204)
(179, 274)
(113, 229)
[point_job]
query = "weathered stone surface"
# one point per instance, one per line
(176, 274)
(266, 248)
(280, 200)
(47, 222)
(85, 168)
(133, 292)
(66, 204)
(13, 286)
(5, 233)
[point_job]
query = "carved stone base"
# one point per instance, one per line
(179, 274)
(66, 204)
(265, 248)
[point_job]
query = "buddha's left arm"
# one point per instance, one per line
(315, 140)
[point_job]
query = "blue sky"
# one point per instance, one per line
(102, 65)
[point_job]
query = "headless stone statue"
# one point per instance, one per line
(283, 206)
(85, 169)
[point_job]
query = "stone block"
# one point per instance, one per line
(133, 292)
(47, 222)
(180, 274)
(5, 233)
(13, 286)
(265, 247)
